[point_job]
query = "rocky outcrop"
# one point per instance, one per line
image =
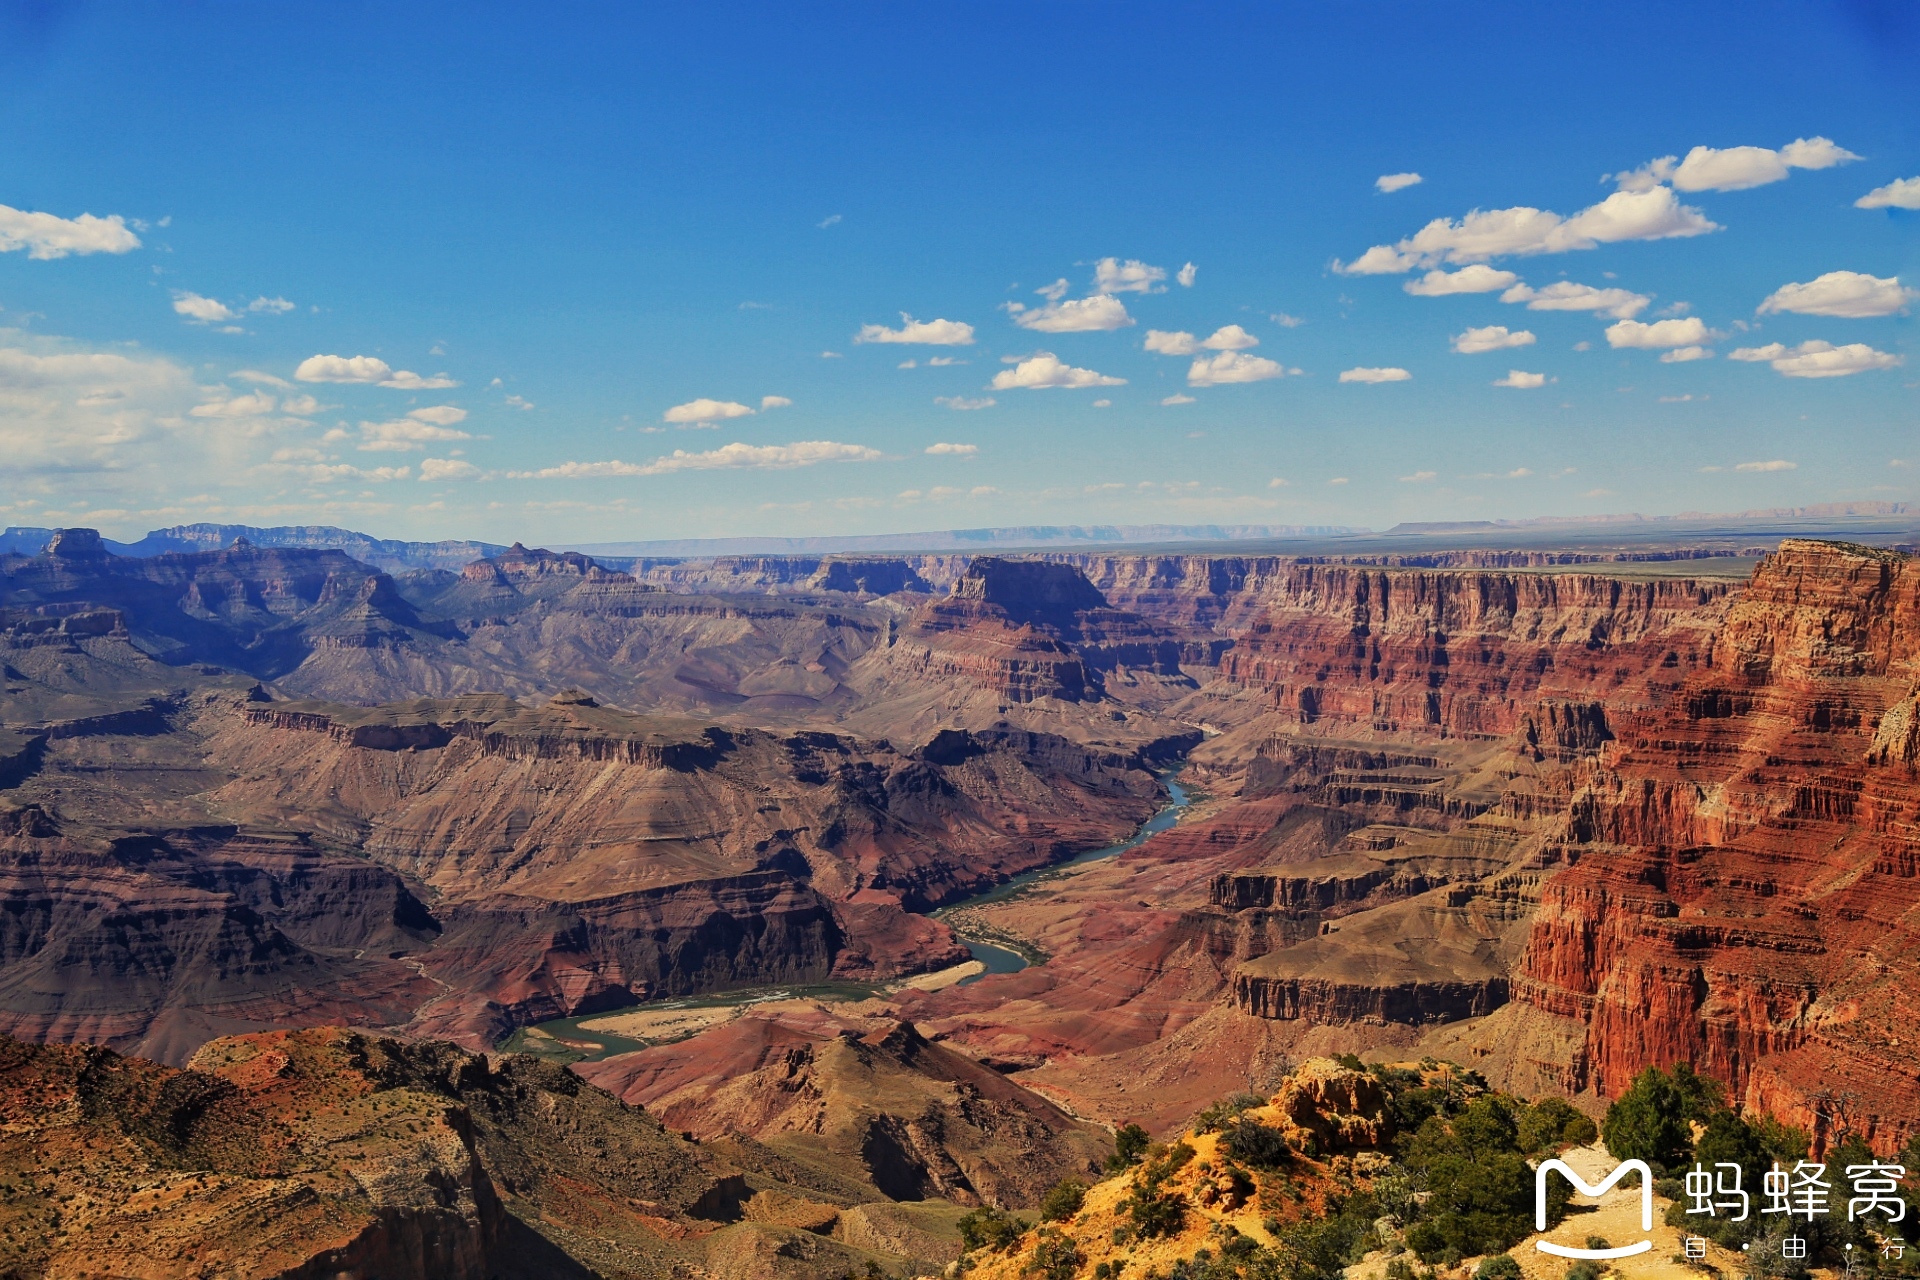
(321, 1153)
(1326, 1109)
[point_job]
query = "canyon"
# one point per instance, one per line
(1556, 816)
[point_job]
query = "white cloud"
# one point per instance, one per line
(931, 333)
(832, 219)
(1850, 295)
(1478, 278)
(300, 406)
(1901, 193)
(1177, 398)
(1097, 314)
(1733, 168)
(1364, 374)
(1687, 332)
(965, 402)
(705, 410)
(1340, 480)
(364, 369)
(1773, 464)
(45, 236)
(1817, 359)
(1493, 337)
(1110, 275)
(518, 402)
(201, 310)
(1681, 355)
(66, 409)
(440, 415)
(1420, 477)
(730, 457)
(908, 364)
(1044, 370)
(1279, 482)
(1230, 338)
(1653, 214)
(1175, 343)
(263, 379)
(1565, 295)
(1187, 275)
(447, 469)
(1387, 183)
(1522, 379)
(1232, 366)
(252, 405)
(1103, 404)
(953, 450)
(941, 362)
(774, 402)
(275, 306)
(404, 434)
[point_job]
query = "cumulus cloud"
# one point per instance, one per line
(64, 408)
(943, 448)
(1565, 295)
(930, 333)
(403, 434)
(1687, 332)
(774, 402)
(705, 410)
(1232, 366)
(46, 236)
(1681, 355)
(730, 457)
(1734, 168)
(1493, 337)
(1365, 374)
(1230, 338)
(1110, 275)
(1478, 278)
(272, 306)
(1817, 359)
(1174, 343)
(1901, 193)
(1176, 399)
(367, 369)
(201, 310)
(1099, 313)
(440, 415)
(1652, 214)
(1522, 379)
(1187, 275)
(1388, 183)
(1850, 295)
(1772, 464)
(1044, 371)
(448, 469)
(965, 402)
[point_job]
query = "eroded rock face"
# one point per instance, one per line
(1744, 858)
(1328, 1109)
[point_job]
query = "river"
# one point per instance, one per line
(1003, 959)
(575, 1040)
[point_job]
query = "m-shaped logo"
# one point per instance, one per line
(1586, 1188)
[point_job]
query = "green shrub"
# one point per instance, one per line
(1063, 1201)
(1130, 1142)
(989, 1228)
(1499, 1267)
(1650, 1121)
(1055, 1257)
(1260, 1145)
(1221, 1114)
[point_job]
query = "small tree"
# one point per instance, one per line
(1063, 1201)
(1130, 1142)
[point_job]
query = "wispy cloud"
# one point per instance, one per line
(1521, 379)
(945, 449)
(966, 402)
(730, 457)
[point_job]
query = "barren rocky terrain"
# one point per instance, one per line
(1557, 821)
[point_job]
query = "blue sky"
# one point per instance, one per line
(549, 231)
